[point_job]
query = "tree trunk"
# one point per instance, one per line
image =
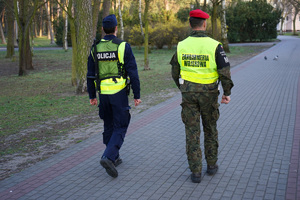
(16, 35)
(197, 5)
(28, 51)
(115, 6)
(2, 34)
(73, 41)
(74, 51)
(84, 38)
(214, 19)
(24, 17)
(41, 22)
(96, 8)
(10, 50)
(58, 11)
(224, 29)
(106, 6)
(294, 20)
(22, 67)
(140, 17)
(146, 46)
(121, 21)
(281, 26)
(204, 6)
(50, 30)
(65, 32)
(167, 5)
(35, 28)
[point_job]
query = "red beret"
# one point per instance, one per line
(199, 14)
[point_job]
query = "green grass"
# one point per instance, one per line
(244, 50)
(47, 94)
(38, 42)
(43, 42)
(291, 33)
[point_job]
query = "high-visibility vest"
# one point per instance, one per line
(110, 57)
(196, 56)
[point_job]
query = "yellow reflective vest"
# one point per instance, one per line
(110, 57)
(196, 56)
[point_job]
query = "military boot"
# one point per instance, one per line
(212, 169)
(196, 177)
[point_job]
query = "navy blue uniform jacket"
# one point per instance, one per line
(130, 67)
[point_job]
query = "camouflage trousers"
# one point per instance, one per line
(206, 105)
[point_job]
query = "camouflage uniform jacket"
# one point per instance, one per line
(223, 68)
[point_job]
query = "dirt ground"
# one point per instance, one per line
(17, 162)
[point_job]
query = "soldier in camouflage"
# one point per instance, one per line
(197, 68)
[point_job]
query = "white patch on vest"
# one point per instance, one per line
(106, 55)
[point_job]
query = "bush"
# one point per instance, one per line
(135, 37)
(162, 34)
(252, 21)
(168, 34)
(183, 14)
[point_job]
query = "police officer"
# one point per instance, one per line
(115, 66)
(197, 67)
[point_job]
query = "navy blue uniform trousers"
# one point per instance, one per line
(114, 111)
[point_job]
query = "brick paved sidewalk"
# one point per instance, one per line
(259, 137)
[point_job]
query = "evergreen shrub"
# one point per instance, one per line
(59, 27)
(252, 21)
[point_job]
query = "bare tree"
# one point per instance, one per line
(96, 8)
(286, 7)
(214, 17)
(121, 21)
(166, 2)
(10, 50)
(296, 5)
(140, 17)
(65, 32)
(24, 13)
(50, 29)
(2, 34)
(224, 28)
(105, 11)
(41, 22)
(146, 41)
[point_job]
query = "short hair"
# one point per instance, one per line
(109, 30)
(196, 22)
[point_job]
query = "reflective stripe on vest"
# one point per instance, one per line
(108, 66)
(108, 86)
(196, 56)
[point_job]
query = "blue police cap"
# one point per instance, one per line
(109, 21)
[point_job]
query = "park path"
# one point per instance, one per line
(259, 137)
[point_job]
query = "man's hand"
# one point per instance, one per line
(137, 102)
(94, 102)
(225, 99)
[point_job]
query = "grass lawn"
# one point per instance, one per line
(37, 42)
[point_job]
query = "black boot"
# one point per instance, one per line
(109, 167)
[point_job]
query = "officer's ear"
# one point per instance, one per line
(204, 24)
